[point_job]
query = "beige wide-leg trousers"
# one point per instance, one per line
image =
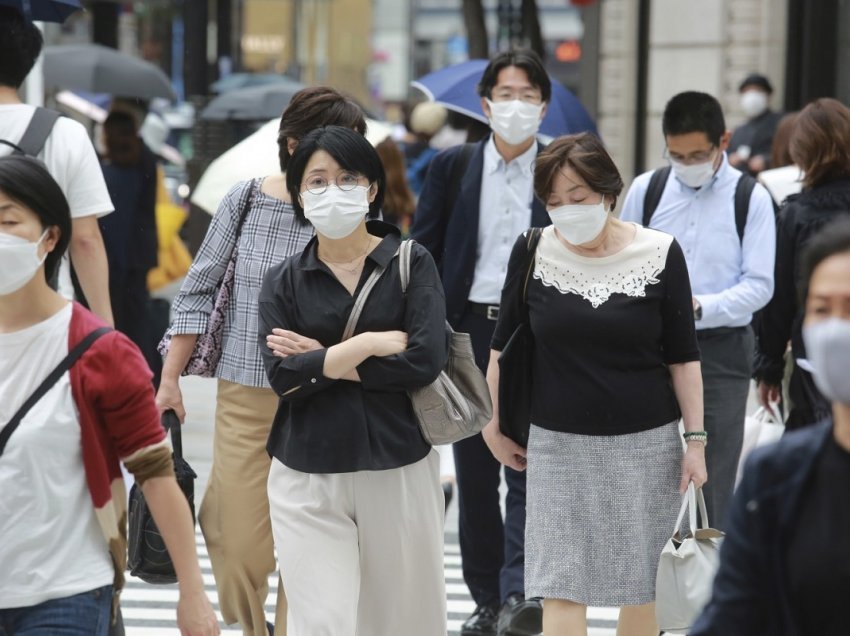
(361, 553)
(234, 514)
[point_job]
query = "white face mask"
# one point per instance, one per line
(19, 262)
(695, 175)
(515, 121)
(336, 213)
(447, 137)
(580, 224)
(753, 103)
(828, 351)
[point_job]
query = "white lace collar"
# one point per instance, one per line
(628, 272)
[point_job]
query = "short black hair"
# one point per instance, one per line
(349, 149)
(20, 46)
(691, 112)
(527, 60)
(832, 239)
(27, 181)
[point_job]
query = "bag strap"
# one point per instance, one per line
(243, 213)
(743, 192)
(171, 423)
(653, 193)
(360, 301)
(690, 501)
(404, 252)
(37, 132)
(48, 383)
(534, 235)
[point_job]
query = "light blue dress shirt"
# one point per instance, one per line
(505, 213)
(731, 279)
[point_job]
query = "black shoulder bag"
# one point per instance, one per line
(516, 365)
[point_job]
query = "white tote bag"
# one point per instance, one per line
(686, 568)
(762, 427)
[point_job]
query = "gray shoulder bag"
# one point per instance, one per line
(457, 404)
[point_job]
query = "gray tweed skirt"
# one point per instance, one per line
(599, 511)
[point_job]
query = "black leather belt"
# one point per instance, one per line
(490, 312)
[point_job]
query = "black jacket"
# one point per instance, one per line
(751, 594)
(802, 216)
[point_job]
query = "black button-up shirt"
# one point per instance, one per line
(333, 426)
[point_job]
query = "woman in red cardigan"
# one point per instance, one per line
(62, 500)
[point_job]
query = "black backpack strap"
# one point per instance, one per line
(534, 235)
(37, 132)
(48, 383)
(653, 193)
(459, 167)
(743, 193)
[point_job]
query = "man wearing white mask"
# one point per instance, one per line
(725, 225)
(749, 148)
(476, 200)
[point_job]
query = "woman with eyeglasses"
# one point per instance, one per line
(234, 514)
(354, 490)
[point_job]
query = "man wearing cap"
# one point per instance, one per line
(749, 148)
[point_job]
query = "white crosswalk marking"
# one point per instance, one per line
(149, 610)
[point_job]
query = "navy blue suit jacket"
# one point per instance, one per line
(450, 232)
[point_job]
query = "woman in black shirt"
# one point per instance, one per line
(615, 366)
(354, 490)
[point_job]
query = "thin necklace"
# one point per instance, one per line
(357, 260)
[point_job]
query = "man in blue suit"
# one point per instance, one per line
(476, 200)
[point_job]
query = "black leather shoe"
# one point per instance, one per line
(481, 623)
(520, 617)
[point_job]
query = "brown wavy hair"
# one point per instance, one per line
(585, 154)
(820, 142)
(780, 149)
(398, 201)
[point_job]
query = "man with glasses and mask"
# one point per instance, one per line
(725, 224)
(476, 200)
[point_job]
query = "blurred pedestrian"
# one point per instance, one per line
(234, 514)
(749, 148)
(724, 222)
(477, 198)
(130, 233)
(65, 148)
(354, 490)
(399, 205)
(62, 498)
(784, 178)
(609, 304)
(426, 120)
(820, 145)
(785, 561)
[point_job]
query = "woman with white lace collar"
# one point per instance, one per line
(616, 364)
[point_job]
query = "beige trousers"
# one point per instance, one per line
(234, 514)
(361, 553)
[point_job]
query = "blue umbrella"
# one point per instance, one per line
(455, 87)
(44, 10)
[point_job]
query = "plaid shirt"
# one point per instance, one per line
(270, 234)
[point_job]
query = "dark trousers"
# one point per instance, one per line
(727, 362)
(492, 551)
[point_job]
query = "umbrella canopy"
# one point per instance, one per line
(253, 157)
(44, 10)
(235, 81)
(455, 87)
(99, 69)
(257, 103)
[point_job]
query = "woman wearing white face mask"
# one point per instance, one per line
(354, 490)
(785, 564)
(615, 365)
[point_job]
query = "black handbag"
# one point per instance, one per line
(148, 557)
(516, 366)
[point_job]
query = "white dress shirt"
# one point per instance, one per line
(505, 213)
(730, 279)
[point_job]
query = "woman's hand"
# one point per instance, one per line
(504, 449)
(285, 343)
(169, 396)
(693, 466)
(386, 343)
(195, 615)
(769, 394)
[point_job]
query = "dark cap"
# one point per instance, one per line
(756, 79)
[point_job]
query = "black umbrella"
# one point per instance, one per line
(99, 69)
(257, 103)
(44, 10)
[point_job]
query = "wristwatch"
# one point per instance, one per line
(697, 310)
